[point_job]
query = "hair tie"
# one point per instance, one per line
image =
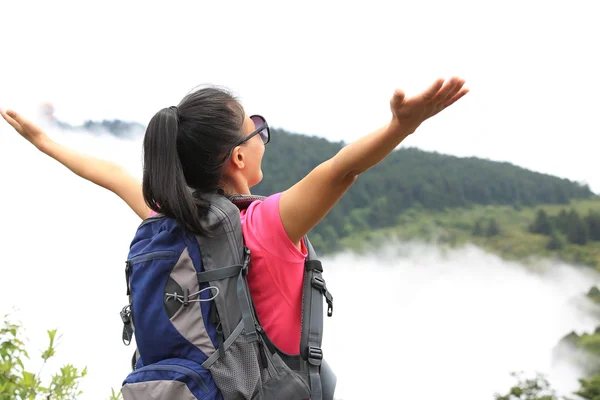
(174, 108)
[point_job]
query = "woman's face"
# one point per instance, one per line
(252, 152)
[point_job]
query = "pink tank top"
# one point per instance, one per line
(276, 273)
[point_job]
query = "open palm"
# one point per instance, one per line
(410, 112)
(26, 128)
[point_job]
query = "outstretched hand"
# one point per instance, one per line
(410, 112)
(26, 128)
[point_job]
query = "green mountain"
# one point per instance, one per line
(409, 179)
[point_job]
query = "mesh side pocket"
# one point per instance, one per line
(238, 374)
(284, 383)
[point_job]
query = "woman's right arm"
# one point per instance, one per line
(103, 173)
(303, 205)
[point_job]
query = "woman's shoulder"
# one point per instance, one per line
(262, 226)
(262, 214)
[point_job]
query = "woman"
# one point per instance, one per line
(208, 143)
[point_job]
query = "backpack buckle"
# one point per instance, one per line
(329, 299)
(318, 282)
(315, 355)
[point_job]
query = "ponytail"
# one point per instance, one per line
(164, 184)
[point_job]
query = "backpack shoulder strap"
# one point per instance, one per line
(312, 318)
(242, 201)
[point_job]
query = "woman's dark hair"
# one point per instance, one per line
(185, 148)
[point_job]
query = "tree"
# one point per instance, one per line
(537, 388)
(492, 229)
(380, 213)
(590, 388)
(562, 221)
(592, 221)
(576, 229)
(541, 224)
(16, 383)
(556, 242)
(593, 292)
(478, 228)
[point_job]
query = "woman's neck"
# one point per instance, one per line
(232, 189)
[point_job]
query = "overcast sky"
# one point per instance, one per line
(325, 68)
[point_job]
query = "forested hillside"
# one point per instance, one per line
(408, 178)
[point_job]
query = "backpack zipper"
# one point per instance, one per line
(155, 255)
(190, 373)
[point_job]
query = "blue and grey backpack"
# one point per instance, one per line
(194, 322)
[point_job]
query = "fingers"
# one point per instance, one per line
(15, 116)
(398, 98)
(8, 116)
(449, 90)
(455, 90)
(431, 92)
(456, 97)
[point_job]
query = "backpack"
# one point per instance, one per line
(194, 322)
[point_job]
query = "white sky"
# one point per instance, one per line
(325, 68)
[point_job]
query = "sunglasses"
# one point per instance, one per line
(262, 129)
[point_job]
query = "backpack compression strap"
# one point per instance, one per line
(312, 319)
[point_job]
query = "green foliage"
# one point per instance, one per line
(590, 388)
(493, 229)
(562, 220)
(455, 227)
(594, 293)
(486, 227)
(115, 395)
(17, 383)
(537, 388)
(582, 350)
(576, 229)
(592, 221)
(478, 228)
(556, 242)
(541, 224)
(591, 344)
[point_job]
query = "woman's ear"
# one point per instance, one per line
(237, 157)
